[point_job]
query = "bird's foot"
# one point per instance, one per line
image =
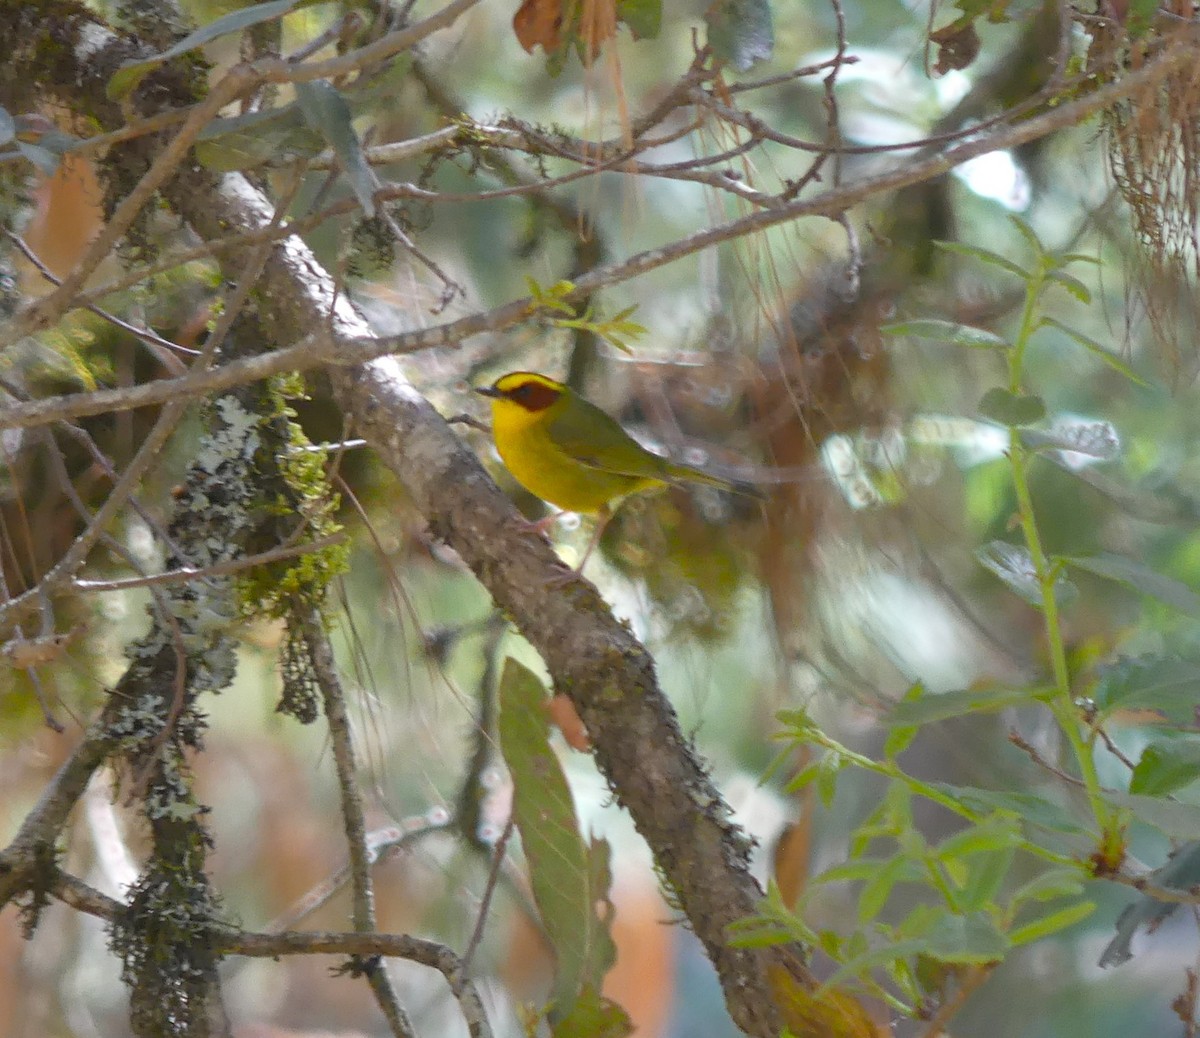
(541, 526)
(566, 577)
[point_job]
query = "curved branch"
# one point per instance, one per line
(228, 940)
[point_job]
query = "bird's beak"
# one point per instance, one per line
(488, 391)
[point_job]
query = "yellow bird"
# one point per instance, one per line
(571, 454)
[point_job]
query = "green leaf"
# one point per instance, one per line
(740, 32)
(799, 721)
(599, 953)
(987, 874)
(326, 111)
(905, 979)
(1027, 232)
(891, 817)
(1052, 923)
(554, 297)
(830, 942)
(560, 868)
(1179, 821)
(1140, 578)
(937, 706)
(826, 778)
(978, 859)
(644, 17)
(1050, 885)
(1009, 409)
(1166, 766)
(967, 939)
(875, 891)
(1077, 257)
(1095, 349)
(592, 1016)
(902, 735)
(1072, 284)
(129, 75)
(922, 920)
(1029, 807)
(1000, 831)
(898, 740)
(948, 331)
(1167, 684)
(880, 956)
(803, 777)
(861, 868)
(985, 256)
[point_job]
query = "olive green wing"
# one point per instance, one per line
(594, 439)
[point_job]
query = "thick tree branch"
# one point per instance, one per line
(592, 657)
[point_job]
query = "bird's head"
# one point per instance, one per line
(525, 389)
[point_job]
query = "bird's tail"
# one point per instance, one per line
(687, 474)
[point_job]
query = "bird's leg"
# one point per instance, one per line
(541, 526)
(571, 575)
(602, 518)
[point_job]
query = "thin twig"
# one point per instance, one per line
(227, 940)
(796, 73)
(45, 311)
(381, 844)
(971, 979)
(168, 360)
(365, 945)
(334, 697)
(1169, 895)
(219, 569)
(1113, 748)
(490, 889)
(1021, 743)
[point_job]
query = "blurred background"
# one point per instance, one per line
(772, 356)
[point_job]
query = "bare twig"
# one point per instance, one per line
(167, 359)
(1113, 748)
(415, 949)
(488, 891)
(1170, 895)
(381, 843)
(230, 941)
(186, 573)
(334, 696)
(1023, 744)
(970, 980)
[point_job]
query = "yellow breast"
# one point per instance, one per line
(548, 472)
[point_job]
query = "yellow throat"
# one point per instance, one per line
(565, 450)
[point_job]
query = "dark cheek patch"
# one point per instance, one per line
(533, 396)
